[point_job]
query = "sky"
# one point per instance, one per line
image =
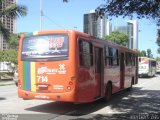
(59, 15)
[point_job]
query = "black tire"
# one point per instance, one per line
(108, 92)
(130, 88)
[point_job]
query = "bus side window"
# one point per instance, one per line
(128, 59)
(133, 60)
(107, 56)
(115, 57)
(153, 63)
(111, 56)
(86, 53)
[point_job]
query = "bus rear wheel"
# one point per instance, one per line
(130, 88)
(108, 92)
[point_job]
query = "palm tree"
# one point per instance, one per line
(65, 0)
(11, 11)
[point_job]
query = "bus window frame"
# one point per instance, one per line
(128, 60)
(131, 61)
(133, 58)
(110, 57)
(79, 52)
(153, 63)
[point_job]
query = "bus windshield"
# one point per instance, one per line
(45, 46)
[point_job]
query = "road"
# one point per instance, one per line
(142, 100)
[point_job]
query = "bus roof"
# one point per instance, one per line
(76, 32)
(148, 58)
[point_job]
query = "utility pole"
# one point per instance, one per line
(41, 14)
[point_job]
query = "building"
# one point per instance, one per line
(104, 27)
(133, 34)
(123, 29)
(131, 29)
(90, 24)
(98, 27)
(9, 23)
(158, 37)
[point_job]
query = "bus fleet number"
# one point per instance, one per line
(42, 79)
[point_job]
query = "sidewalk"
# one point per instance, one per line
(6, 82)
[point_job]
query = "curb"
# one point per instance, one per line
(6, 83)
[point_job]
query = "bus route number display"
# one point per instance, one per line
(55, 43)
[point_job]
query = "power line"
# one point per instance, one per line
(53, 21)
(42, 14)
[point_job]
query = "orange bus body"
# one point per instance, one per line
(70, 66)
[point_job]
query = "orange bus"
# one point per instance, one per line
(71, 66)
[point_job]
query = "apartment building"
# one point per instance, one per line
(9, 23)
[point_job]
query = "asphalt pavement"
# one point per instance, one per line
(142, 102)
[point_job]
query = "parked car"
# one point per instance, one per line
(15, 77)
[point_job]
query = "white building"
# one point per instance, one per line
(98, 27)
(104, 27)
(133, 34)
(132, 31)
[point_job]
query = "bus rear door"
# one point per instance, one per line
(122, 71)
(98, 71)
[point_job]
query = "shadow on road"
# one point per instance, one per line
(148, 77)
(2, 98)
(158, 73)
(54, 108)
(125, 103)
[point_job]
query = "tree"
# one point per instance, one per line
(9, 56)
(139, 53)
(158, 40)
(10, 11)
(149, 9)
(157, 58)
(13, 41)
(143, 53)
(118, 37)
(158, 50)
(149, 53)
(65, 0)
